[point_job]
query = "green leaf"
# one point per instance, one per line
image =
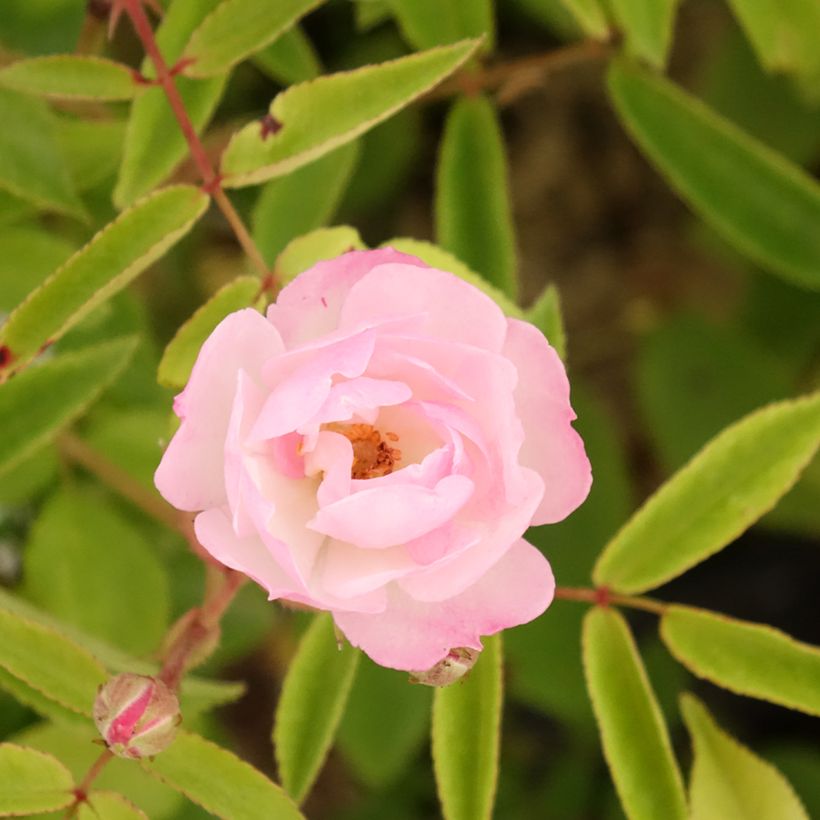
(428, 23)
(31, 166)
(746, 658)
(291, 58)
(124, 600)
(71, 76)
(219, 782)
(647, 26)
(181, 352)
(466, 738)
(382, 697)
(321, 115)
(728, 780)
(634, 735)
(301, 201)
(92, 149)
(111, 806)
(235, 29)
(589, 15)
(32, 782)
(154, 144)
(473, 209)
(35, 405)
(112, 259)
(547, 316)
(783, 33)
(439, 258)
(316, 246)
(50, 663)
(765, 206)
(311, 704)
(726, 487)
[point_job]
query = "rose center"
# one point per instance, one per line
(372, 455)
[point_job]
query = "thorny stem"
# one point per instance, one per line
(212, 183)
(81, 792)
(603, 597)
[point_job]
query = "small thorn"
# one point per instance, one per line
(180, 65)
(270, 126)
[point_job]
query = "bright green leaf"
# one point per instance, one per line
(31, 165)
(589, 15)
(31, 782)
(466, 737)
(180, 355)
(112, 259)
(428, 23)
(473, 208)
(728, 780)
(235, 29)
(154, 144)
(724, 489)
(217, 780)
(41, 658)
(439, 258)
(110, 806)
(311, 704)
(545, 313)
(647, 26)
(124, 599)
(634, 735)
(746, 658)
(37, 403)
(291, 58)
(302, 200)
(382, 697)
(71, 76)
(316, 117)
(316, 246)
(765, 206)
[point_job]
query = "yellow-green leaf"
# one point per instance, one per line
(428, 23)
(473, 208)
(71, 76)
(746, 658)
(290, 59)
(728, 780)
(311, 119)
(589, 15)
(545, 313)
(467, 736)
(311, 704)
(764, 205)
(634, 735)
(647, 26)
(109, 806)
(181, 352)
(112, 259)
(32, 782)
(236, 29)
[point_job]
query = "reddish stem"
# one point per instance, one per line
(602, 596)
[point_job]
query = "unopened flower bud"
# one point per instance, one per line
(136, 715)
(453, 667)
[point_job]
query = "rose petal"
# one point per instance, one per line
(190, 475)
(551, 446)
(414, 635)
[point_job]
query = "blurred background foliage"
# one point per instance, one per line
(671, 334)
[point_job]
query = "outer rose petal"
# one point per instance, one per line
(190, 475)
(309, 306)
(413, 635)
(551, 446)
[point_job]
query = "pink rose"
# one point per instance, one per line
(376, 447)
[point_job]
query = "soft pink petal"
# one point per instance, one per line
(413, 635)
(362, 397)
(190, 475)
(551, 446)
(309, 306)
(454, 310)
(345, 571)
(390, 515)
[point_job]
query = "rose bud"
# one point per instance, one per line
(448, 670)
(376, 446)
(136, 715)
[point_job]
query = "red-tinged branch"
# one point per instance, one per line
(603, 597)
(212, 183)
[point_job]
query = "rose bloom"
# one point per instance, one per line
(376, 447)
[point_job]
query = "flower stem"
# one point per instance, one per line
(212, 182)
(81, 792)
(603, 597)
